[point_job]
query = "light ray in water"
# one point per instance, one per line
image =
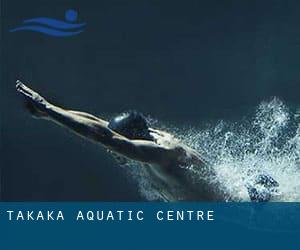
(267, 142)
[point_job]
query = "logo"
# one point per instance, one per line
(53, 27)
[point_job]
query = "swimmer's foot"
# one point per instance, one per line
(34, 103)
(263, 188)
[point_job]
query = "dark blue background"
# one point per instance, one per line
(236, 226)
(182, 62)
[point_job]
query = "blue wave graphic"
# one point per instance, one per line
(47, 31)
(55, 27)
(53, 23)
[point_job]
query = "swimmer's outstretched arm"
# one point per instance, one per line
(95, 129)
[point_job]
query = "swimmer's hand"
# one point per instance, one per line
(35, 103)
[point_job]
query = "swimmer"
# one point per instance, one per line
(129, 136)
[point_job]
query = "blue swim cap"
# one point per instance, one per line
(132, 125)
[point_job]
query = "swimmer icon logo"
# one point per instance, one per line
(53, 27)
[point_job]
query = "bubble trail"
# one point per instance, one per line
(266, 142)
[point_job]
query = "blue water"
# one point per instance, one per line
(268, 141)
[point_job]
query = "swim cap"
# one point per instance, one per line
(132, 125)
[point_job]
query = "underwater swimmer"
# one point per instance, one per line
(128, 135)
